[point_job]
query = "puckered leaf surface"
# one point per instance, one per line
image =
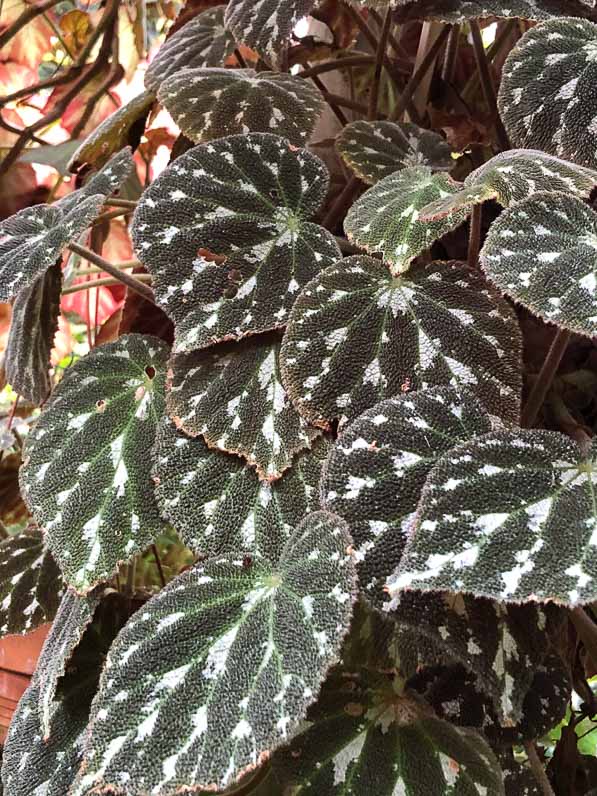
(378, 467)
(30, 583)
(513, 176)
(266, 26)
(106, 181)
(219, 668)
(224, 231)
(203, 41)
(364, 739)
(358, 335)
(547, 94)
(233, 396)
(218, 505)
(373, 150)
(33, 324)
(212, 103)
(497, 512)
(386, 217)
(86, 474)
(543, 253)
(463, 10)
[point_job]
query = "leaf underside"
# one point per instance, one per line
(378, 467)
(86, 474)
(497, 511)
(224, 231)
(357, 335)
(218, 669)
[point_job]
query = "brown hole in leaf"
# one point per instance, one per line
(150, 372)
(234, 275)
(100, 405)
(231, 292)
(212, 257)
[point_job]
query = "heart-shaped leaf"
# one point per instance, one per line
(378, 467)
(357, 335)
(224, 232)
(546, 96)
(266, 27)
(233, 396)
(212, 103)
(365, 738)
(513, 176)
(497, 511)
(30, 583)
(373, 150)
(220, 666)
(33, 324)
(386, 217)
(543, 253)
(86, 470)
(203, 41)
(463, 10)
(218, 505)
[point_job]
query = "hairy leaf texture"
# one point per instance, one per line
(463, 10)
(373, 150)
(86, 469)
(497, 512)
(219, 668)
(378, 467)
(543, 253)
(224, 231)
(547, 96)
(358, 335)
(30, 583)
(212, 103)
(201, 42)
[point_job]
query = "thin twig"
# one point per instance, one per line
(545, 378)
(25, 18)
(158, 563)
(487, 84)
(127, 203)
(331, 100)
(339, 63)
(537, 769)
(130, 281)
(379, 58)
(474, 236)
(451, 54)
(106, 281)
(362, 26)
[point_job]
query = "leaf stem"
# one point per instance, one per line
(537, 769)
(158, 563)
(105, 282)
(379, 59)
(474, 236)
(487, 84)
(451, 54)
(130, 281)
(126, 203)
(545, 378)
(339, 63)
(332, 100)
(343, 201)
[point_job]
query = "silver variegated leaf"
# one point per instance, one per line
(33, 240)
(363, 738)
(386, 217)
(495, 514)
(266, 26)
(513, 176)
(373, 150)
(463, 10)
(218, 505)
(107, 181)
(543, 253)
(219, 668)
(358, 335)
(212, 103)
(33, 324)
(201, 42)
(224, 230)
(378, 467)
(30, 583)
(546, 98)
(86, 470)
(233, 396)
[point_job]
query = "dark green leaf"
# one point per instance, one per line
(463, 10)
(107, 181)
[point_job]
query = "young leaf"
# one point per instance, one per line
(463, 10)
(386, 217)
(212, 103)
(546, 95)
(33, 240)
(357, 335)
(373, 150)
(266, 27)
(86, 469)
(219, 668)
(30, 583)
(218, 505)
(33, 325)
(543, 253)
(378, 467)
(224, 232)
(364, 738)
(201, 42)
(513, 176)
(497, 512)
(233, 396)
